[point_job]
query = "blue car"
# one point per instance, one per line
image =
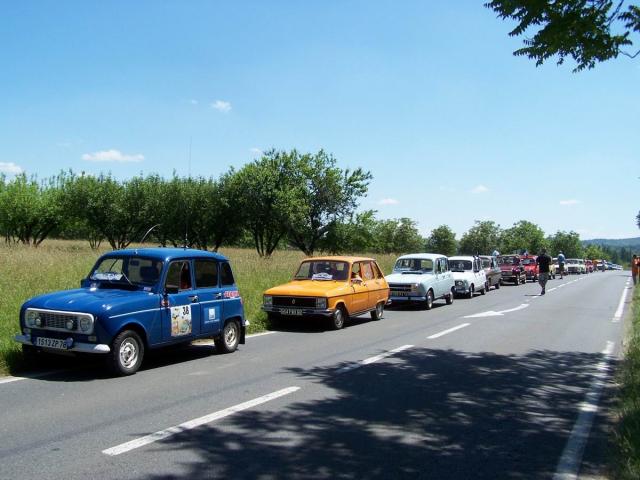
(138, 299)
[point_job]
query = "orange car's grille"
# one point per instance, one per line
(309, 302)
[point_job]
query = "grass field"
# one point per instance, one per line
(59, 264)
(627, 443)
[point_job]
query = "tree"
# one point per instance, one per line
(442, 240)
(589, 31)
(397, 236)
(481, 239)
(269, 198)
(29, 211)
(356, 234)
(324, 195)
(566, 242)
(523, 236)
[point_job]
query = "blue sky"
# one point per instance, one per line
(425, 95)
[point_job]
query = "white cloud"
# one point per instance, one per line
(479, 189)
(193, 101)
(569, 202)
(388, 201)
(10, 168)
(256, 151)
(112, 156)
(221, 106)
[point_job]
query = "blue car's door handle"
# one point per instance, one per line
(193, 298)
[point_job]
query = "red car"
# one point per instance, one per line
(511, 269)
(530, 266)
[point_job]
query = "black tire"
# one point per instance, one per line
(470, 294)
(127, 353)
(498, 284)
(484, 290)
(337, 319)
(378, 312)
(449, 298)
(228, 341)
(428, 303)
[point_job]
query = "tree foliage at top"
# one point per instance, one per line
(442, 240)
(30, 211)
(324, 195)
(566, 242)
(523, 236)
(481, 239)
(589, 31)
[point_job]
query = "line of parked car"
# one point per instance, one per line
(341, 287)
(134, 300)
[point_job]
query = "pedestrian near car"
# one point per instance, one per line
(635, 268)
(543, 261)
(561, 263)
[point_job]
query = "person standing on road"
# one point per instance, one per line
(561, 263)
(635, 268)
(543, 261)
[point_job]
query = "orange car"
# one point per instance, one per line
(333, 287)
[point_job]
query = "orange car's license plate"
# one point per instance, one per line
(291, 311)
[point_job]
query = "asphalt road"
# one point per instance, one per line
(504, 385)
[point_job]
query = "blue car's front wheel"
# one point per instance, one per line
(126, 353)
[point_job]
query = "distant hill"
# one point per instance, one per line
(616, 243)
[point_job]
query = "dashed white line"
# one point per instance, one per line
(195, 423)
(373, 359)
(445, 332)
(571, 458)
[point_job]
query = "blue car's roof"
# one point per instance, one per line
(165, 253)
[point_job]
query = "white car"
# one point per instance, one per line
(468, 275)
(420, 278)
(575, 265)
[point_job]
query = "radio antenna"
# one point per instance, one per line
(186, 228)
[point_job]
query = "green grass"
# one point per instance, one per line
(627, 441)
(57, 264)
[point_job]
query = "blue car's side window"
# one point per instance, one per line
(206, 273)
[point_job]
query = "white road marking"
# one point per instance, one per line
(551, 289)
(499, 313)
(438, 335)
(373, 359)
(195, 423)
(620, 310)
(571, 458)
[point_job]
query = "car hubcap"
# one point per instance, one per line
(338, 318)
(230, 335)
(128, 353)
(379, 310)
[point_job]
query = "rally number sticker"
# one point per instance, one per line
(180, 320)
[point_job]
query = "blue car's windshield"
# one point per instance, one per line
(133, 271)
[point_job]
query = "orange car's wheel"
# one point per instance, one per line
(338, 318)
(378, 312)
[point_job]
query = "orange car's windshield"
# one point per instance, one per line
(322, 270)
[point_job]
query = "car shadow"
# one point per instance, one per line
(424, 413)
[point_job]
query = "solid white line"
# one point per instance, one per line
(370, 360)
(618, 315)
(195, 423)
(569, 462)
(437, 335)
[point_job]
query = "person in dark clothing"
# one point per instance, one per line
(543, 262)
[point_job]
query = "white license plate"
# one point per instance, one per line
(51, 343)
(291, 311)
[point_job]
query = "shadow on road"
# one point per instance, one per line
(421, 414)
